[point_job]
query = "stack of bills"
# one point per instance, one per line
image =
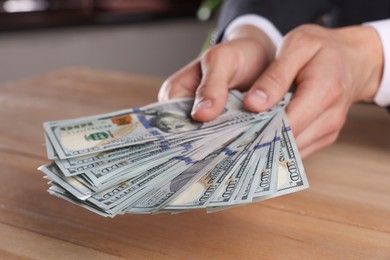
(157, 159)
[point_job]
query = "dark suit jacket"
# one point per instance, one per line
(288, 14)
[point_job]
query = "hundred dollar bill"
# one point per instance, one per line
(292, 176)
(116, 199)
(197, 194)
(265, 147)
(78, 165)
(220, 188)
(262, 175)
(205, 146)
(62, 193)
(71, 166)
(230, 162)
(127, 127)
(110, 166)
(125, 170)
(157, 122)
(61, 179)
(73, 186)
(51, 153)
(161, 196)
(223, 186)
(290, 170)
(127, 162)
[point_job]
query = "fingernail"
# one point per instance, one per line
(257, 97)
(203, 104)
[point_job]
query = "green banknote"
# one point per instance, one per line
(157, 159)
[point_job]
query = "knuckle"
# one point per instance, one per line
(201, 90)
(165, 90)
(336, 123)
(335, 93)
(167, 83)
(332, 138)
(338, 91)
(213, 54)
(274, 77)
(204, 90)
(304, 34)
(173, 87)
(168, 87)
(170, 83)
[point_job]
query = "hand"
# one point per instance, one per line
(331, 69)
(237, 63)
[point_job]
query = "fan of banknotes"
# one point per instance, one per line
(157, 159)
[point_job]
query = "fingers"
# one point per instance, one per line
(217, 67)
(322, 132)
(318, 145)
(207, 78)
(234, 64)
(181, 84)
(316, 112)
(317, 92)
(317, 69)
(327, 123)
(296, 51)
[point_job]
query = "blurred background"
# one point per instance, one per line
(148, 37)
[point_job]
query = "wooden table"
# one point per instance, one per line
(345, 214)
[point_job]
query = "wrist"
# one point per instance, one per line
(365, 54)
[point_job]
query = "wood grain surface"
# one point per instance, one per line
(345, 214)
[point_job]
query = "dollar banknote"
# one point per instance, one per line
(157, 159)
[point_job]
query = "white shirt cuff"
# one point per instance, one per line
(260, 22)
(382, 97)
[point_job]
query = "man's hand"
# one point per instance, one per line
(331, 69)
(236, 63)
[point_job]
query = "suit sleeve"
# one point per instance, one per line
(284, 14)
